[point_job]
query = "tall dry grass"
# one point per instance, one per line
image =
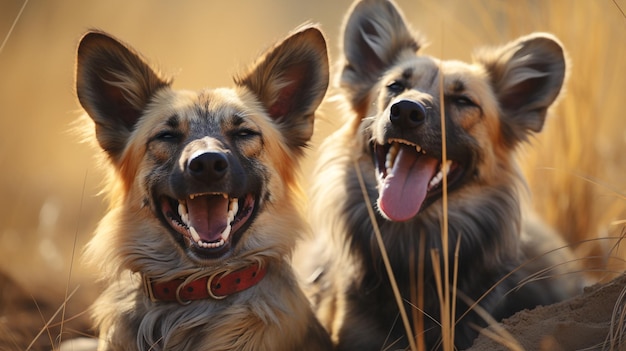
(576, 167)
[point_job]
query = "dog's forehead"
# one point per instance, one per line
(426, 70)
(425, 73)
(220, 107)
(471, 80)
(208, 110)
(416, 69)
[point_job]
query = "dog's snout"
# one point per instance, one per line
(208, 166)
(407, 113)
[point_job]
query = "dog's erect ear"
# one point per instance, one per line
(114, 85)
(527, 76)
(290, 80)
(375, 34)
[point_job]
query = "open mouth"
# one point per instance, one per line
(410, 178)
(209, 223)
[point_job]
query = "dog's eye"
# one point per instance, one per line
(462, 100)
(396, 87)
(168, 136)
(246, 133)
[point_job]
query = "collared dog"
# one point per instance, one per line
(394, 137)
(204, 202)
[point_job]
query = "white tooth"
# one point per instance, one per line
(194, 234)
(234, 207)
(182, 212)
(212, 245)
(231, 216)
(395, 148)
(418, 148)
(226, 233)
(436, 179)
(391, 156)
(185, 219)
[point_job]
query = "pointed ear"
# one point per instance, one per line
(114, 85)
(375, 34)
(527, 76)
(290, 80)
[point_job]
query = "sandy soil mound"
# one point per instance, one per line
(591, 321)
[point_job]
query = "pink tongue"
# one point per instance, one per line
(404, 189)
(208, 215)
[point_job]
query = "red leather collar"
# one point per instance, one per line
(216, 286)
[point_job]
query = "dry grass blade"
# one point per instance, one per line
(383, 251)
(501, 339)
(17, 18)
(454, 285)
(417, 294)
(447, 301)
(495, 331)
(619, 8)
(69, 277)
(49, 322)
(424, 314)
(615, 338)
(447, 339)
(591, 180)
(448, 305)
(536, 275)
(8, 334)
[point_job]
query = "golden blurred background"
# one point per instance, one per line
(49, 181)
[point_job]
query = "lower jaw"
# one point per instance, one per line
(211, 253)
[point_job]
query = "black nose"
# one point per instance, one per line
(208, 167)
(407, 114)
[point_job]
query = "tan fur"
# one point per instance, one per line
(148, 131)
(491, 106)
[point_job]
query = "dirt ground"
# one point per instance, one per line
(592, 321)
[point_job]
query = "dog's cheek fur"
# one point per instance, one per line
(277, 163)
(141, 167)
(483, 125)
